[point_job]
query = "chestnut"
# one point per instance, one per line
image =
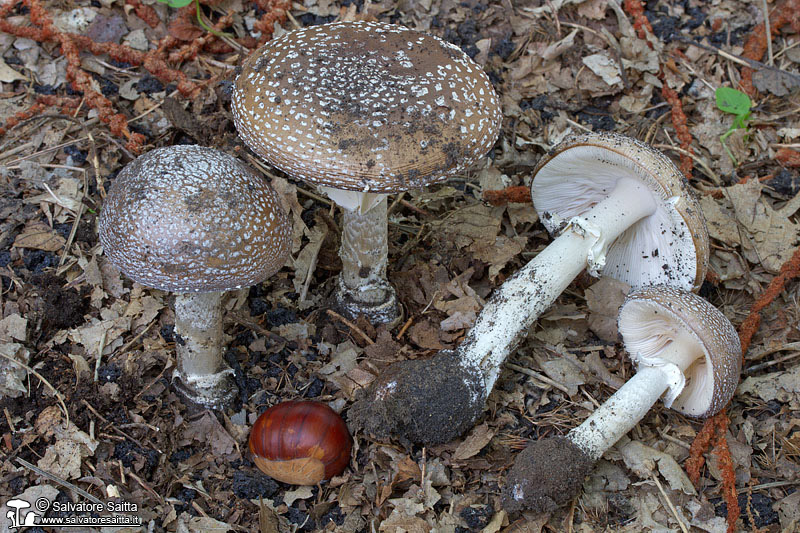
(300, 442)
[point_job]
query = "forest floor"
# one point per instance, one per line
(86, 85)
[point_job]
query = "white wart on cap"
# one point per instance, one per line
(365, 106)
(652, 317)
(193, 219)
(668, 247)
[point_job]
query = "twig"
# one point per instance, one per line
(115, 428)
(671, 506)
(771, 485)
(538, 376)
(350, 325)
(675, 440)
(706, 169)
(131, 342)
(405, 327)
(55, 479)
(770, 57)
(253, 325)
(769, 351)
(43, 380)
(395, 202)
(741, 60)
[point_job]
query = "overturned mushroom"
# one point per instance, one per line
(365, 109)
(197, 222)
(685, 349)
(621, 209)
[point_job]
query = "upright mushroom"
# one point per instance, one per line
(197, 222)
(683, 346)
(621, 208)
(365, 109)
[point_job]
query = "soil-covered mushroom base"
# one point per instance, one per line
(547, 475)
(428, 401)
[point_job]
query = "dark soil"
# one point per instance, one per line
(63, 308)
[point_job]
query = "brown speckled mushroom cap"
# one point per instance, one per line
(365, 106)
(652, 316)
(668, 247)
(193, 219)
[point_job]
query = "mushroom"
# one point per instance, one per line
(685, 350)
(197, 222)
(365, 109)
(621, 208)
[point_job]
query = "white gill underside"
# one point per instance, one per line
(626, 407)
(522, 298)
(357, 201)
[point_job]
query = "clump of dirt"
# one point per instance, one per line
(546, 475)
(253, 485)
(62, 308)
(424, 401)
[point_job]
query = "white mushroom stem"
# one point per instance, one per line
(633, 400)
(363, 287)
(203, 374)
(523, 297)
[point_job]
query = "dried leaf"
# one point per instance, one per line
(13, 377)
(107, 333)
(71, 447)
(8, 74)
(720, 220)
(565, 373)
(300, 493)
(773, 237)
(644, 459)
(777, 82)
(477, 439)
(604, 298)
(206, 524)
(31, 495)
(13, 327)
(593, 9)
(39, 236)
(499, 252)
(208, 431)
(287, 193)
(426, 335)
(603, 66)
(782, 386)
(309, 253)
(475, 223)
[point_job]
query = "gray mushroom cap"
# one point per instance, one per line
(652, 316)
(365, 106)
(668, 247)
(193, 219)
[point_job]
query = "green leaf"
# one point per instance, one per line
(176, 3)
(733, 101)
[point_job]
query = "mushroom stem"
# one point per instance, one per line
(523, 297)
(202, 374)
(626, 407)
(363, 287)
(403, 408)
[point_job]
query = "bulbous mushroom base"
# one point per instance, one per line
(387, 311)
(546, 475)
(213, 391)
(424, 401)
